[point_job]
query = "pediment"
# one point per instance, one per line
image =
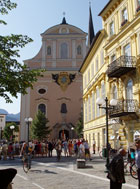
(63, 29)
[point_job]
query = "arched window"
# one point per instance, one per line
(79, 50)
(42, 108)
(48, 50)
(64, 51)
(114, 92)
(63, 108)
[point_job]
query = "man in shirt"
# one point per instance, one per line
(137, 158)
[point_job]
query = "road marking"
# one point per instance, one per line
(37, 185)
(85, 174)
(93, 176)
(22, 177)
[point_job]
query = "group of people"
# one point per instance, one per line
(71, 147)
(116, 167)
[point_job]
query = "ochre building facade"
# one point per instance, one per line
(111, 69)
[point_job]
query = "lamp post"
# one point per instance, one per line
(12, 127)
(28, 121)
(72, 131)
(101, 102)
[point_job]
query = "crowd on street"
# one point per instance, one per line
(72, 147)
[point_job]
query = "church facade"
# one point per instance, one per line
(59, 93)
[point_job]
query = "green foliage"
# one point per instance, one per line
(39, 128)
(14, 77)
(79, 126)
(7, 133)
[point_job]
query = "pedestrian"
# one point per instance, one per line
(137, 158)
(116, 170)
(94, 143)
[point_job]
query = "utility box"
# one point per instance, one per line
(81, 163)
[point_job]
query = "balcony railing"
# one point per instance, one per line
(121, 66)
(124, 108)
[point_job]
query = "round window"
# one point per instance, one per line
(41, 91)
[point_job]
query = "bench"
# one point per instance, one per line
(81, 163)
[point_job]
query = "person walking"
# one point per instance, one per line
(137, 159)
(116, 170)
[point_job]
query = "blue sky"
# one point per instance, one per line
(33, 17)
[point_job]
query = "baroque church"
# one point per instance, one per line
(59, 93)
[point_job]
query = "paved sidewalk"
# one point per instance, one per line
(95, 167)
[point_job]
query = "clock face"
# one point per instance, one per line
(64, 79)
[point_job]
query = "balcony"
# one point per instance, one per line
(121, 66)
(127, 107)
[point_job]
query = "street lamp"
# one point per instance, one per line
(12, 127)
(101, 102)
(28, 121)
(72, 131)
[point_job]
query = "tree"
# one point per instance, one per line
(14, 77)
(39, 128)
(7, 133)
(79, 126)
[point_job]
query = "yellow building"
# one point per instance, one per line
(111, 69)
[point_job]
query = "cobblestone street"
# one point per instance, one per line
(47, 173)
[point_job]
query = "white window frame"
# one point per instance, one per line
(97, 64)
(97, 106)
(89, 108)
(93, 105)
(111, 28)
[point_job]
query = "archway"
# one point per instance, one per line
(63, 134)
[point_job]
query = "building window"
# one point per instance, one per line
(42, 91)
(111, 28)
(103, 96)
(64, 51)
(129, 95)
(97, 65)
(124, 16)
(42, 108)
(114, 92)
(129, 89)
(92, 69)
(127, 53)
(113, 58)
(88, 75)
(89, 108)
(49, 50)
(102, 57)
(93, 106)
(79, 50)
(138, 6)
(85, 111)
(97, 107)
(63, 108)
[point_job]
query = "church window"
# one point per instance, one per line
(49, 50)
(63, 108)
(42, 91)
(64, 51)
(42, 108)
(79, 50)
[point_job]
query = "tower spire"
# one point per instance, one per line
(91, 34)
